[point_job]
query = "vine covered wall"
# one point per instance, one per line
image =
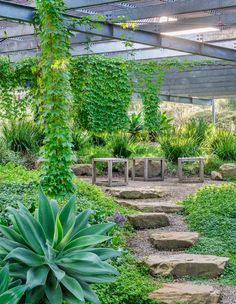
(102, 93)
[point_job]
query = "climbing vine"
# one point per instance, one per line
(55, 92)
(102, 93)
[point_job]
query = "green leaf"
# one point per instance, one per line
(59, 273)
(53, 290)
(67, 215)
(37, 276)
(4, 279)
(89, 294)
(26, 257)
(103, 253)
(85, 241)
(58, 232)
(12, 234)
(30, 229)
(13, 295)
(98, 229)
(74, 287)
(81, 221)
(34, 296)
(46, 215)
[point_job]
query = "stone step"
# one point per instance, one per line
(151, 205)
(181, 265)
(173, 240)
(173, 293)
(149, 220)
(134, 193)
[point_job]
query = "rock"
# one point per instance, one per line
(131, 193)
(173, 293)
(181, 265)
(82, 169)
(173, 240)
(228, 170)
(216, 176)
(149, 220)
(154, 168)
(151, 206)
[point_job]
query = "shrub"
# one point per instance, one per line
(23, 136)
(17, 173)
(197, 129)
(7, 155)
(80, 140)
(54, 252)
(211, 211)
(136, 124)
(122, 146)
(175, 145)
(12, 194)
(224, 145)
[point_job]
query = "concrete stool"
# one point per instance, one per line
(147, 168)
(184, 179)
(110, 162)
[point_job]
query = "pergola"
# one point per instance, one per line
(199, 29)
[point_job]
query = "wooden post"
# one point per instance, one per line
(202, 170)
(180, 169)
(126, 172)
(94, 172)
(146, 169)
(109, 173)
(162, 169)
(133, 169)
(213, 112)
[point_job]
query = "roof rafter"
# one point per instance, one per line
(73, 4)
(113, 31)
(169, 9)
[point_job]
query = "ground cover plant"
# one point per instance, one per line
(212, 212)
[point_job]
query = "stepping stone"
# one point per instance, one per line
(173, 293)
(151, 206)
(136, 193)
(149, 220)
(181, 265)
(173, 240)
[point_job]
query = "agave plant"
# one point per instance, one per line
(54, 253)
(10, 292)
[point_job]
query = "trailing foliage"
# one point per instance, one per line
(17, 173)
(55, 92)
(54, 253)
(102, 93)
(212, 212)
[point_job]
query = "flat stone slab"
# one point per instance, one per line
(173, 240)
(181, 265)
(139, 193)
(151, 206)
(149, 220)
(173, 293)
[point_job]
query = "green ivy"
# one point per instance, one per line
(55, 92)
(102, 93)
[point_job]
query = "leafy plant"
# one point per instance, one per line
(136, 124)
(55, 253)
(10, 292)
(224, 145)
(122, 145)
(16, 173)
(80, 140)
(22, 136)
(197, 129)
(6, 155)
(165, 123)
(175, 145)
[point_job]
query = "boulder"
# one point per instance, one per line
(151, 205)
(216, 176)
(173, 293)
(228, 170)
(149, 220)
(173, 240)
(154, 168)
(133, 193)
(82, 169)
(181, 265)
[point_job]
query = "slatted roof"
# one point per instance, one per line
(165, 28)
